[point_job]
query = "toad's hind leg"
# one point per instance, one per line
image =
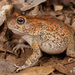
(32, 60)
(71, 47)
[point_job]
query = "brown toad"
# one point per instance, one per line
(46, 34)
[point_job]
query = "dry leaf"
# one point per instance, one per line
(61, 68)
(67, 20)
(34, 12)
(73, 23)
(57, 2)
(23, 6)
(3, 12)
(67, 1)
(3, 2)
(6, 66)
(61, 17)
(56, 74)
(33, 4)
(43, 70)
(58, 7)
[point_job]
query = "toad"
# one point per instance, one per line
(46, 34)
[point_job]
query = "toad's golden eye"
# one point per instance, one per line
(20, 20)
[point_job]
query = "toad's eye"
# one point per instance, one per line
(20, 20)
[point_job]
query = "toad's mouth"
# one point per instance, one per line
(16, 31)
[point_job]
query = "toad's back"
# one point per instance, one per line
(53, 34)
(48, 24)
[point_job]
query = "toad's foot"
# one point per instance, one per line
(19, 68)
(20, 46)
(71, 54)
(71, 59)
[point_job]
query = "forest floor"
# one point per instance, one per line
(59, 64)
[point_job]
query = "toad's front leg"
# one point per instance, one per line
(32, 60)
(21, 46)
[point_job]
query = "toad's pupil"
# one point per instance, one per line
(20, 20)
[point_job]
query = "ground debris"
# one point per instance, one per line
(42, 70)
(56, 74)
(26, 5)
(73, 23)
(8, 57)
(7, 51)
(6, 66)
(67, 20)
(58, 7)
(61, 68)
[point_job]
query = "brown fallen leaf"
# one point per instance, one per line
(3, 55)
(61, 17)
(3, 73)
(52, 13)
(67, 20)
(61, 68)
(58, 7)
(60, 1)
(3, 11)
(56, 74)
(34, 12)
(43, 70)
(73, 23)
(3, 2)
(24, 5)
(7, 51)
(6, 66)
